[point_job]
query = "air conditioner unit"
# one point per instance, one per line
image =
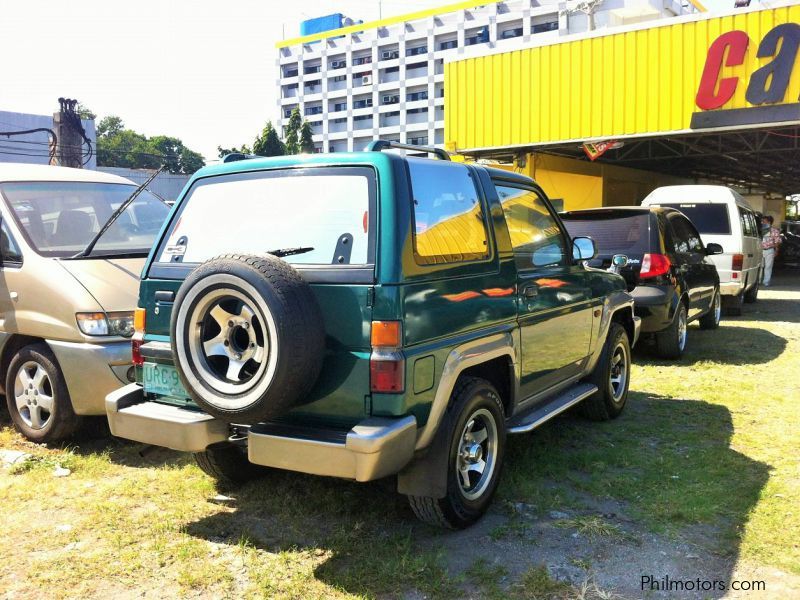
(337, 64)
(366, 80)
(389, 54)
(391, 99)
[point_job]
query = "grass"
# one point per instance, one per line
(707, 448)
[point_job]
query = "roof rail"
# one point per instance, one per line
(379, 145)
(234, 156)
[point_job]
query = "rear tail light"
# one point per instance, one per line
(138, 337)
(738, 262)
(387, 366)
(654, 265)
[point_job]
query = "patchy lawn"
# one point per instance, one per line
(699, 478)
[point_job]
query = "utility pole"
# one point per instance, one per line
(70, 139)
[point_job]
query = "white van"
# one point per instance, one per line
(723, 217)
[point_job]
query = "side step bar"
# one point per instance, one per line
(530, 421)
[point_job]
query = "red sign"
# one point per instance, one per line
(597, 149)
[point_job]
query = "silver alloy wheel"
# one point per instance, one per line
(682, 330)
(33, 393)
(717, 308)
(477, 454)
(230, 340)
(618, 372)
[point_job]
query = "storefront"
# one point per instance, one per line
(696, 98)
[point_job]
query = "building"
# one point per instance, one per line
(355, 82)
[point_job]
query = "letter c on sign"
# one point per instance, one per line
(708, 96)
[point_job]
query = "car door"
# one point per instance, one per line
(751, 245)
(695, 272)
(554, 302)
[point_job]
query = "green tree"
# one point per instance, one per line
(306, 138)
(110, 125)
(84, 112)
(293, 132)
(223, 152)
(268, 143)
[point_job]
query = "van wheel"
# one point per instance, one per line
(611, 375)
(671, 342)
(37, 396)
(751, 296)
(733, 305)
(228, 464)
(477, 446)
(711, 319)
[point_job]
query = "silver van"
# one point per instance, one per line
(724, 217)
(66, 315)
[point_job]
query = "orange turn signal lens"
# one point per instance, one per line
(386, 334)
(138, 320)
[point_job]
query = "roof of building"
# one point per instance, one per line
(26, 172)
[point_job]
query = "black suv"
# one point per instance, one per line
(668, 273)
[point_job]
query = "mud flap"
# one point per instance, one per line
(426, 475)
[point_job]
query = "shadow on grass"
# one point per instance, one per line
(729, 345)
(667, 461)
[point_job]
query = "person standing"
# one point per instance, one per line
(770, 241)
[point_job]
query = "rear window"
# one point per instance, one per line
(707, 218)
(326, 212)
(613, 234)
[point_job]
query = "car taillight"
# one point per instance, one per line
(738, 262)
(386, 363)
(654, 265)
(138, 336)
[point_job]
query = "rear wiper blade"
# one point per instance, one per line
(281, 252)
(115, 215)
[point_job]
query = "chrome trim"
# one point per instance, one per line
(462, 357)
(375, 448)
(161, 350)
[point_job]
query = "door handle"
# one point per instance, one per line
(530, 291)
(13, 295)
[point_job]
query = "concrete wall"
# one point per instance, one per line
(166, 185)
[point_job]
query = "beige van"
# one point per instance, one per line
(66, 319)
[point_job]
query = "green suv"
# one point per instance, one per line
(367, 315)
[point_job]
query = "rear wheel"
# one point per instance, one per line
(711, 319)
(37, 396)
(733, 305)
(751, 295)
(611, 375)
(228, 464)
(477, 446)
(671, 342)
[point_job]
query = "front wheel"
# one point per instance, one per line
(37, 396)
(476, 450)
(611, 375)
(711, 319)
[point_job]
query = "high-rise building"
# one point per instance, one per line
(356, 81)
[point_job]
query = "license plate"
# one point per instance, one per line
(162, 380)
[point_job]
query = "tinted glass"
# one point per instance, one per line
(449, 222)
(707, 218)
(259, 212)
(535, 235)
(60, 218)
(620, 234)
(10, 251)
(685, 237)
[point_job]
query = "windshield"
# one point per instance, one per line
(323, 211)
(707, 218)
(59, 218)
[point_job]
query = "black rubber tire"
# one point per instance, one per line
(751, 295)
(228, 464)
(710, 320)
(667, 342)
(63, 421)
(275, 288)
(601, 406)
(733, 305)
(455, 511)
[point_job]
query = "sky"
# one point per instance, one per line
(200, 70)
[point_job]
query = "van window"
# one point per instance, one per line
(748, 223)
(449, 221)
(711, 219)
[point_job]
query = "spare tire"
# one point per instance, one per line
(247, 337)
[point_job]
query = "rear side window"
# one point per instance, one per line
(685, 237)
(711, 219)
(449, 221)
(253, 213)
(748, 223)
(613, 234)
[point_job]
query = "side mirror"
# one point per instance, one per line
(583, 248)
(713, 248)
(618, 262)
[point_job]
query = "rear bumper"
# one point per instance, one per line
(731, 288)
(374, 448)
(654, 305)
(92, 371)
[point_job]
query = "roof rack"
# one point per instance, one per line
(234, 156)
(379, 145)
